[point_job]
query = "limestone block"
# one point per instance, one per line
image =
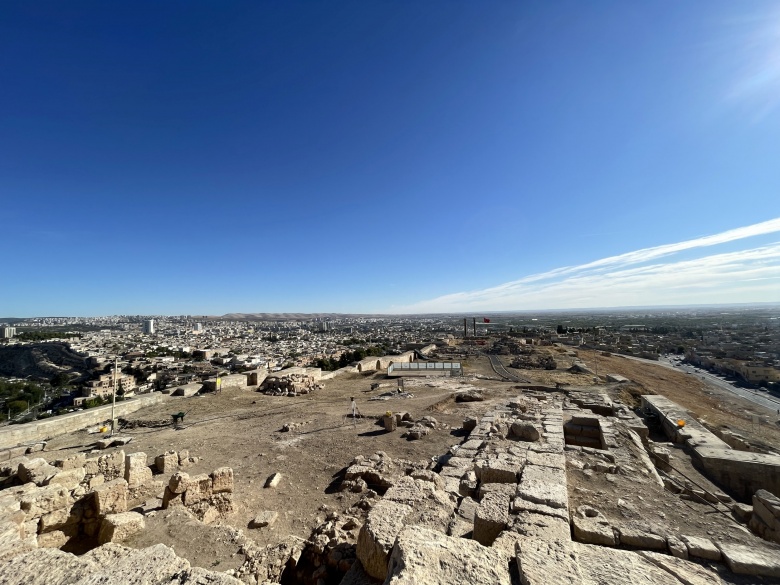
(53, 539)
(591, 527)
(765, 520)
(410, 491)
(59, 518)
(526, 431)
(502, 470)
(701, 548)
(521, 505)
(751, 560)
(508, 489)
(469, 424)
(69, 478)
(45, 566)
(199, 488)
(423, 556)
(222, 480)
(95, 481)
(263, 519)
(467, 509)
(167, 463)
(155, 564)
(555, 460)
(763, 523)
(273, 480)
(685, 572)
(770, 502)
(491, 517)
(378, 534)
(137, 472)
(544, 485)
(110, 498)
(35, 503)
(677, 548)
(178, 482)
(37, 471)
(118, 527)
(741, 512)
(171, 499)
(92, 466)
(430, 476)
(73, 462)
(630, 536)
(472, 445)
(543, 561)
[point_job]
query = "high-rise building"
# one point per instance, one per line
(198, 326)
(8, 332)
(149, 327)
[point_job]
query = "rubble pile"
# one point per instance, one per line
(84, 502)
(376, 474)
(77, 499)
(531, 359)
(501, 500)
(289, 385)
(126, 424)
(420, 428)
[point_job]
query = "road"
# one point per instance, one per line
(761, 398)
(499, 369)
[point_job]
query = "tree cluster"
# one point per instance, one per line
(348, 357)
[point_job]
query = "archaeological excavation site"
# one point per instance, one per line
(475, 474)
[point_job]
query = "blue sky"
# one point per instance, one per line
(203, 157)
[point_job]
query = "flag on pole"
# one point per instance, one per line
(485, 319)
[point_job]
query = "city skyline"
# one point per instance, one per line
(373, 158)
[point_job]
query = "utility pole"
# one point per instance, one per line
(113, 399)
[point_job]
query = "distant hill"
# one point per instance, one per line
(40, 361)
(286, 316)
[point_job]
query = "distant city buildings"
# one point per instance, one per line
(149, 327)
(8, 332)
(198, 328)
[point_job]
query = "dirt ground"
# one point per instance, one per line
(242, 429)
(710, 405)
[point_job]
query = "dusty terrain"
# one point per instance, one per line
(712, 406)
(242, 429)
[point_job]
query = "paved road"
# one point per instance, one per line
(761, 398)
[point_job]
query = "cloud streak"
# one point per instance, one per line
(650, 276)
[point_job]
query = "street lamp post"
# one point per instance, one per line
(113, 399)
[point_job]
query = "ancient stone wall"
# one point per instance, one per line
(67, 423)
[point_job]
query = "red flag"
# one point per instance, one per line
(485, 319)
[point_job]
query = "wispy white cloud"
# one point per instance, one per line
(638, 278)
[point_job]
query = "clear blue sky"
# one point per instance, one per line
(210, 157)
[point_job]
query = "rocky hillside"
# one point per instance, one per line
(41, 361)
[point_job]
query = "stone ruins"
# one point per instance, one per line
(548, 487)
